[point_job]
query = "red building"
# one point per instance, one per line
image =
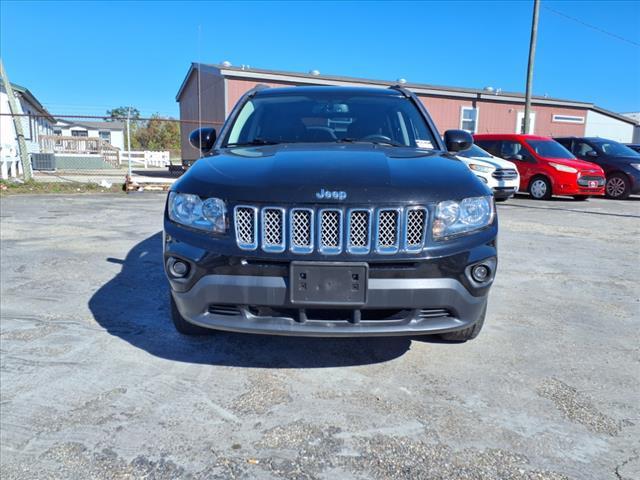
(208, 94)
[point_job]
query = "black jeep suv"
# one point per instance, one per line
(330, 211)
(620, 163)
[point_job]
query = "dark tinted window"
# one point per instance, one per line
(550, 149)
(510, 148)
(491, 146)
(614, 149)
(565, 142)
(329, 117)
(475, 152)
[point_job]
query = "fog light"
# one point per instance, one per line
(480, 273)
(178, 268)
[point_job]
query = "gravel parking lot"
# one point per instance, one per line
(95, 382)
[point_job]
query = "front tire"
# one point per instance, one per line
(540, 188)
(617, 187)
(468, 333)
(184, 327)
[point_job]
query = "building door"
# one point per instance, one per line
(520, 122)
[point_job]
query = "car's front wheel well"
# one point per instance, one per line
(539, 176)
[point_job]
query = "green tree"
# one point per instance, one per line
(159, 133)
(119, 114)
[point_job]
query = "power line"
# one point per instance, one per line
(107, 117)
(614, 35)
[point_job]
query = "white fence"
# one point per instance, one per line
(10, 163)
(146, 158)
(10, 166)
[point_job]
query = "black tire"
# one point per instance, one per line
(617, 187)
(538, 191)
(468, 333)
(581, 198)
(184, 327)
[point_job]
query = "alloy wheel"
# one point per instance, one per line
(615, 186)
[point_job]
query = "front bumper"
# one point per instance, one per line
(427, 292)
(253, 304)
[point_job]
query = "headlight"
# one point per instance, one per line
(457, 218)
(192, 211)
(481, 168)
(636, 166)
(563, 168)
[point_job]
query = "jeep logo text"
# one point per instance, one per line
(331, 195)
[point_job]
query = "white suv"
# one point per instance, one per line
(500, 175)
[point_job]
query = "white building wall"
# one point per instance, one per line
(117, 136)
(31, 127)
(117, 139)
(8, 140)
(599, 125)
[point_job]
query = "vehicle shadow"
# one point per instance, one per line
(134, 305)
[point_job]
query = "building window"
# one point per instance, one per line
(105, 135)
(567, 119)
(28, 135)
(469, 119)
(79, 133)
(58, 132)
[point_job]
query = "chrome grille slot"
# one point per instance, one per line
(301, 228)
(304, 230)
(273, 229)
(415, 228)
(387, 231)
(246, 225)
(359, 231)
(330, 232)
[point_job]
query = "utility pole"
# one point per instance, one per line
(17, 123)
(532, 56)
(129, 139)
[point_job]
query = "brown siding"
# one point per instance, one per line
(236, 87)
(500, 117)
(212, 103)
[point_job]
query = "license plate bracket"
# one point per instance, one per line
(328, 283)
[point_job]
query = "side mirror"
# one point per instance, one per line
(203, 139)
(457, 140)
(592, 153)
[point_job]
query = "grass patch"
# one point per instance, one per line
(8, 187)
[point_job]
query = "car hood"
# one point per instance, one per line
(576, 163)
(366, 173)
(494, 162)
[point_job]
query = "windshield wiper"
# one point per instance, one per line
(255, 141)
(375, 142)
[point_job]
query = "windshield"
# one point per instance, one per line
(475, 152)
(614, 149)
(550, 149)
(330, 117)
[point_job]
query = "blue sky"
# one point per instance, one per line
(83, 57)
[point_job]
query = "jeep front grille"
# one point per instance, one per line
(331, 231)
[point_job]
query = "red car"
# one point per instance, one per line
(546, 167)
